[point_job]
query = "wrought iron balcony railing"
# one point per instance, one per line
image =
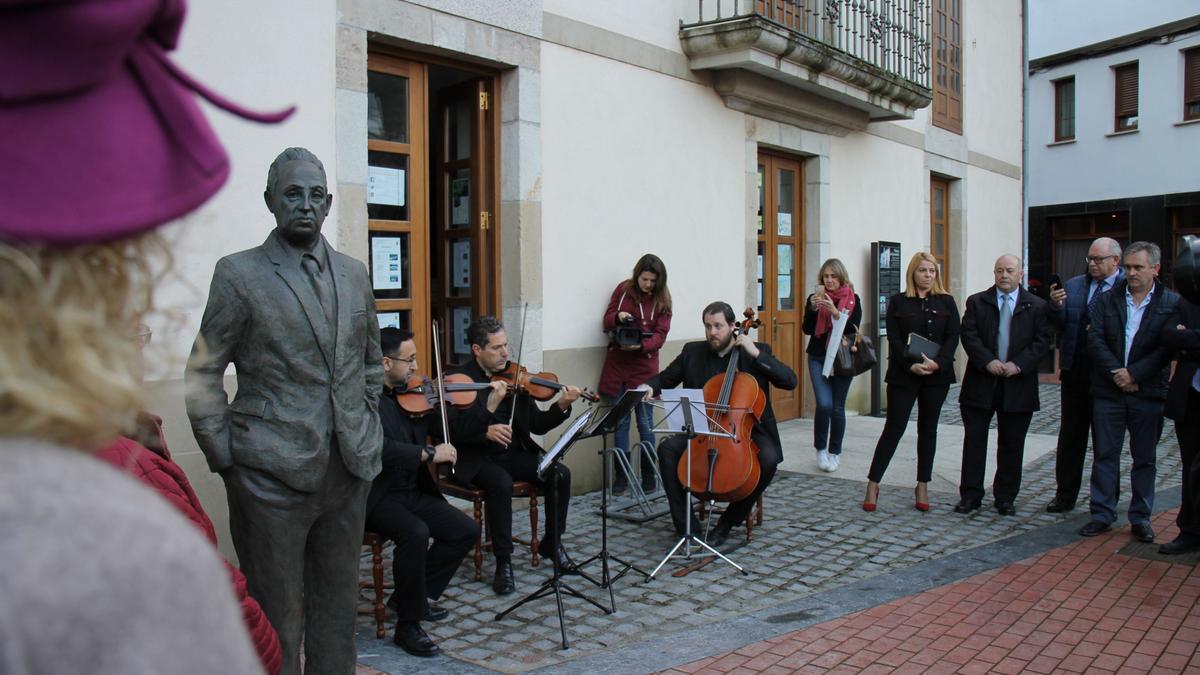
(891, 35)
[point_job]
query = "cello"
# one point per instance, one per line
(727, 469)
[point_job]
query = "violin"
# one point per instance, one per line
(419, 396)
(727, 469)
(539, 386)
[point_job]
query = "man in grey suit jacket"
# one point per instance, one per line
(300, 443)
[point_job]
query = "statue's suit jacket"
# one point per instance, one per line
(300, 381)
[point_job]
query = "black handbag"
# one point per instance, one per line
(850, 363)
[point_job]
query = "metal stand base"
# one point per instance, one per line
(686, 542)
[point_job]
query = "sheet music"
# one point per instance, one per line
(564, 440)
(671, 399)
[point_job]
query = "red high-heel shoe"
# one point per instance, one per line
(921, 505)
(869, 502)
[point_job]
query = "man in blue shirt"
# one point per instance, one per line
(1130, 366)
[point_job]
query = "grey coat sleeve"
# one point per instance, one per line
(221, 331)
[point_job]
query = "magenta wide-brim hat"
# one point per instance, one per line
(100, 133)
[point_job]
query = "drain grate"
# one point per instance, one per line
(1137, 549)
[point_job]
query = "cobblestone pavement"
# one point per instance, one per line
(1088, 606)
(814, 539)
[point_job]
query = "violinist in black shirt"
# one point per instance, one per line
(405, 505)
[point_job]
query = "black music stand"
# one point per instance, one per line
(603, 427)
(689, 429)
(554, 585)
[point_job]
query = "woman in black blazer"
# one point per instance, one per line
(926, 308)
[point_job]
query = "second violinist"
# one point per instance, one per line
(496, 446)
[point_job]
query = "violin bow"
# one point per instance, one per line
(441, 386)
(512, 414)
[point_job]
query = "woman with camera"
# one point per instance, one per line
(637, 320)
(834, 296)
(922, 376)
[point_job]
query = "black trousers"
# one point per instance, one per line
(900, 400)
(495, 477)
(300, 553)
(1188, 431)
(1011, 428)
(411, 518)
(1073, 433)
(672, 449)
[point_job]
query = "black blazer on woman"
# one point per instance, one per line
(934, 317)
(818, 345)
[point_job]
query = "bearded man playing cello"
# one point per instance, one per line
(698, 362)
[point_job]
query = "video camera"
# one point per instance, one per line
(627, 334)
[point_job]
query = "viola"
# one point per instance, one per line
(419, 396)
(539, 386)
(727, 469)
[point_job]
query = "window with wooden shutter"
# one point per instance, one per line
(946, 31)
(1191, 84)
(1064, 109)
(1126, 105)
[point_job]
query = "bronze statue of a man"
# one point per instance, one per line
(298, 446)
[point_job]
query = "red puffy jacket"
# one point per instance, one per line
(155, 468)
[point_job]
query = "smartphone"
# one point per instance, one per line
(1055, 281)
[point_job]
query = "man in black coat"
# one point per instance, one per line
(495, 443)
(692, 368)
(405, 505)
(1183, 406)
(1130, 365)
(1005, 332)
(1069, 314)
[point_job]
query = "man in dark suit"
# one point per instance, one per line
(1005, 333)
(301, 441)
(406, 506)
(495, 444)
(1130, 365)
(1183, 406)
(692, 368)
(1068, 313)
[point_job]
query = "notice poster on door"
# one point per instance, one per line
(385, 185)
(785, 225)
(386, 272)
(460, 202)
(460, 264)
(461, 319)
(388, 319)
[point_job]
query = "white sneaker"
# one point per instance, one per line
(833, 463)
(823, 459)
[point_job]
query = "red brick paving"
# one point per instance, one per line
(1078, 608)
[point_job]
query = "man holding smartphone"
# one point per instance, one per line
(1068, 313)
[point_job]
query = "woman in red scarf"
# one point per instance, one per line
(834, 297)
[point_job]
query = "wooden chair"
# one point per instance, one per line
(376, 543)
(484, 541)
(754, 518)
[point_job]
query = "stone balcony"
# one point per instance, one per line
(830, 66)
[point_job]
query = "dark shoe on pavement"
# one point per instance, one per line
(649, 484)
(1006, 509)
(1093, 528)
(719, 534)
(968, 505)
(413, 640)
(565, 564)
(1060, 505)
(1142, 532)
(503, 582)
(619, 487)
(435, 612)
(1179, 545)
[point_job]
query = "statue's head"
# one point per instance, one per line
(297, 196)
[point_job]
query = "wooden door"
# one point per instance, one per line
(466, 194)
(781, 270)
(397, 194)
(939, 226)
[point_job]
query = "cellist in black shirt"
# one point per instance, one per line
(698, 362)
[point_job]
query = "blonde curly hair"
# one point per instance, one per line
(69, 366)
